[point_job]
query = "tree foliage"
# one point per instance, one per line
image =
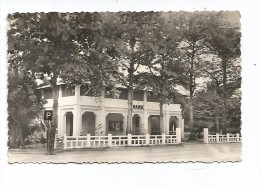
(224, 69)
(59, 45)
(104, 49)
(24, 105)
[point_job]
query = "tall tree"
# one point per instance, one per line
(129, 33)
(58, 45)
(24, 105)
(192, 28)
(164, 68)
(208, 106)
(224, 43)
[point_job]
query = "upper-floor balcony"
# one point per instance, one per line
(72, 96)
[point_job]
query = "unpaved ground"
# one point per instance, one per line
(186, 152)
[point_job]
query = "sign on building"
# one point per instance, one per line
(138, 106)
(48, 115)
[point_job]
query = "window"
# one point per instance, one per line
(86, 91)
(152, 98)
(48, 93)
(138, 95)
(115, 126)
(123, 94)
(68, 91)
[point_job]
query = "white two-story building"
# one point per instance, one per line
(81, 114)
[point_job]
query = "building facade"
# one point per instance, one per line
(82, 114)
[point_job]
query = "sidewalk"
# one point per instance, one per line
(185, 152)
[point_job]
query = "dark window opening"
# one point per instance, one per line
(138, 95)
(86, 91)
(152, 98)
(137, 121)
(115, 126)
(68, 91)
(48, 94)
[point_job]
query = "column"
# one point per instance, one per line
(147, 139)
(65, 141)
(60, 114)
(124, 123)
(145, 98)
(167, 120)
(162, 126)
(61, 123)
(217, 137)
(145, 115)
(145, 122)
(77, 117)
(129, 139)
(178, 135)
(101, 119)
(60, 92)
(180, 124)
(109, 140)
(182, 128)
(163, 139)
(238, 138)
(205, 133)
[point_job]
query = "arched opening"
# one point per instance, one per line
(136, 125)
(115, 123)
(88, 123)
(69, 123)
(154, 125)
(173, 124)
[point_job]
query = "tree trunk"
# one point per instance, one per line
(130, 100)
(20, 133)
(161, 117)
(191, 106)
(12, 138)
(217, 122)
(191, 86)
(54, 123)
(224, 109)
(191, 120)
(130, 88)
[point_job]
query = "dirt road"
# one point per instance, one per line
(186, 152)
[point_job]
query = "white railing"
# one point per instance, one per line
(74, 142)
(221, 138)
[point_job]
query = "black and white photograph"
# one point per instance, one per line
(124, 87)
(128, 92)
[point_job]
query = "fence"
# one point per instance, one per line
(221, 138)
(71, 142)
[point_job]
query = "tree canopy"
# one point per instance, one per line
(156, 50)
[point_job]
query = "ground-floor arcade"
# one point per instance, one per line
(100, 122)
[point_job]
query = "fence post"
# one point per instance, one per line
(163, 139)
(178, 135)
(65, 142)
(88, 140)
(217, 137)
(129, 139)
(109, 140)
(238, 137)
(77, 140)
(227, 137)
(206, 135)
(147, 139)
